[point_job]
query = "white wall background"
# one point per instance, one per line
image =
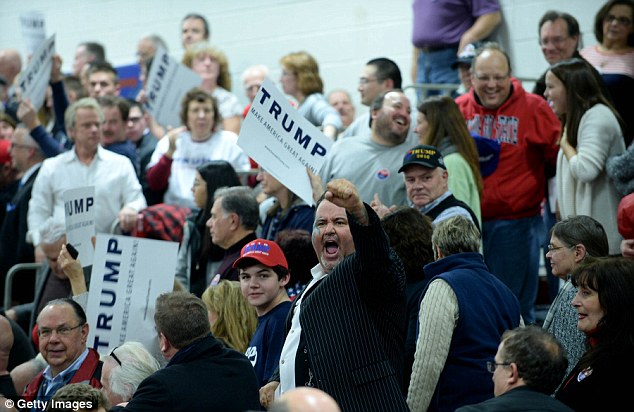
(342, 35)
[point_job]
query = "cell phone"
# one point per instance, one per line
(71, 249)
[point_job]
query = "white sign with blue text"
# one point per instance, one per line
(282, 141)
(128, 274)
(79, 210)
(34, 79)
(167, 84)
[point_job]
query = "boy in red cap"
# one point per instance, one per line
(263, 277)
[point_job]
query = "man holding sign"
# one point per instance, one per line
(118, 193)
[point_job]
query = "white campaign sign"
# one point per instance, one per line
(282, 141)
(79, 209)
(33, 29)
(34, 79)
(128, 274)
(167, 84)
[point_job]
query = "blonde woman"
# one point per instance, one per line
(233, 320)
(212, 65)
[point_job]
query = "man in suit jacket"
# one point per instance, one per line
(26, 159)
(528, 366)
(201, 373)
(347, 329)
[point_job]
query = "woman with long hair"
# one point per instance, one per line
(602, 379)
(592, 133)
(233, 320)
(197, 256)
(440, 124)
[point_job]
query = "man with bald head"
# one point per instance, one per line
(62, 331)
(10, 65)
(305, 400)
(498, 108)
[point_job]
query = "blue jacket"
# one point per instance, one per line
(487, 308)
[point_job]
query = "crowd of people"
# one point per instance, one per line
(409, 284)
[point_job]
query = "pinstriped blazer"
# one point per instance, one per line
(355, 322)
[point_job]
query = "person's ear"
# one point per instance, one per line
(164, 344)
(580, 253)
(514, 376)
(284, 281)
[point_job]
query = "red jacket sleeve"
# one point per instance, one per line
(158, 175)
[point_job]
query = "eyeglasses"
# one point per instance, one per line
(134, 119)
(492, 366)
(552, 248)
(113, 356)
(18, 145)
(364, 80)
(486, 78)
(623, 21)
(61, 331)
(555, 41)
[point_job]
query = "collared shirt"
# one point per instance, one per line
(112, 175)
(27, 175)
(447, 213)
(291, 344)
(51, 384)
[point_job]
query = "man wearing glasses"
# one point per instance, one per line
(62, 332)
(498, 108)
(528, 366)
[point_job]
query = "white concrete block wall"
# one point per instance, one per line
(342, 34)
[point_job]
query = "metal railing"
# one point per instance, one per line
(8, 281)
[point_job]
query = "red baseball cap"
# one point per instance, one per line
(263, 251)
(5, 149)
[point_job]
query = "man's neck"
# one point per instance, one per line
(85, 155)
(281, 297)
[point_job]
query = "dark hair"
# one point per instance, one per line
(99, 66)
(199, 95)
(583, 91)
(300, 254)
(582, 230)
(181, 317)
(134, 103)
(602, 14)
(216, 173)
(410, 233)
(118, 102)
(377, 103)
(613, 280)
(552, 15)
(240, 200)
(387, 69)
(201, 18)
(95, 49)
(73, 83)
(446, 122)
(79, 312)
(541, 360)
